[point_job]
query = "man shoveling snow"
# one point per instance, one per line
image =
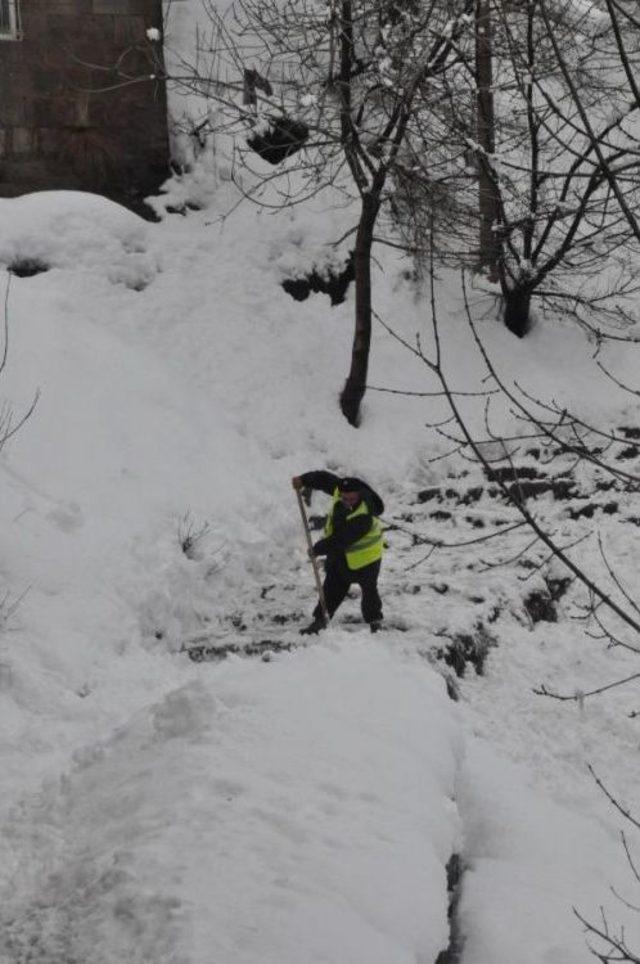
(352, 544)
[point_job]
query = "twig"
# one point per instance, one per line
(578, 697)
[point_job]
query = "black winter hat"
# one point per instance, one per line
(350, 484)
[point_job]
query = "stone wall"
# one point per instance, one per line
(68, 117)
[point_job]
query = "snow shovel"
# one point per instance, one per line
(314, 561)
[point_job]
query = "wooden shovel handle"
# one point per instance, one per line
(312, 558)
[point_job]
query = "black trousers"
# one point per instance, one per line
(338, 578)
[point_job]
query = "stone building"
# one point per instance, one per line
(81, 105)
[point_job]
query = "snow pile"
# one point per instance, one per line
(300, 810)
(69, 229)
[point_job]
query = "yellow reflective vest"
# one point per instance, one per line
(367, 549)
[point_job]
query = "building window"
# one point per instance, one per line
(9, 20)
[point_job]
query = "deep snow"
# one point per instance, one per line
(302, 808)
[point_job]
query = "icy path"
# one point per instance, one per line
(297, 810)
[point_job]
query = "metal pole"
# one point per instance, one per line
(314, 561)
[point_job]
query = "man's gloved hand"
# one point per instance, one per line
(299, 486)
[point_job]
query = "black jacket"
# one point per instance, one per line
(345, 532)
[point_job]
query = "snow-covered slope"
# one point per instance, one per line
(305, 807)
(175, 401)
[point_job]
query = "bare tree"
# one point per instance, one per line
(338, 90)
(551, 126)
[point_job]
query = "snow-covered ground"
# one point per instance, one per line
(301, 807)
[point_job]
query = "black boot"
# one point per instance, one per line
(375, 626)
(313, 628)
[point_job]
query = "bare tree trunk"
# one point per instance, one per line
(356, 383)
(517, 310)
(488, 201)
